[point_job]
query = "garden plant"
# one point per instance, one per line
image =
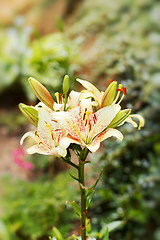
(78, 122)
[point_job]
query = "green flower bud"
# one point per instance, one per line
(119, 118)
(41, 92)
(30, 113)
(109, 94)
(66, 84)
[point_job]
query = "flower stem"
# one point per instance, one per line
(83, 156)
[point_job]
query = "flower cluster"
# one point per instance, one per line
(85, 118)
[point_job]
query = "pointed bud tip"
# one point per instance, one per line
(20, 105)
(128, 111)
(109, 94)
(41, 92)
(66, 84)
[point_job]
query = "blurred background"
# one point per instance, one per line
(93, 40)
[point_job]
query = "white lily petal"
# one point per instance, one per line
(38, 149)
(139, 117)
(90, 87)
(73, 99)
(130, 120)
(65, 142)
(104, 117)
(71, 122)
(88, 94)
(44, 128)
(61, 151)
(94, 146)
(111, 133)
(58, 106)
(86, 104)
(27, 134)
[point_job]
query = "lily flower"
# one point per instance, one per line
(72, 101)
(49, 138)
(109, 97)
(87, 128)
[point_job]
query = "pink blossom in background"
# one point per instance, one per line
(19, 159)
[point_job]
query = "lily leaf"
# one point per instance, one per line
(88, 192)
(76, 208)
(56, 233)
(106, 236)
(89, 198)
(74, 237)
(114, 225)
(110, 227)
(75, 178)
(88, 226)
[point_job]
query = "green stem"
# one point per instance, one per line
(83, 156)
(65, 101)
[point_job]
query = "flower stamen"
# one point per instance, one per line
(61, 97)
(57, 97)
(119, 90)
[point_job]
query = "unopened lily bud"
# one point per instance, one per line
(66, 84)
(41, 92)
(119, 118)
(30, 113)
(109, 94)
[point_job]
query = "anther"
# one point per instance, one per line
(36, 134)
(124, 90)
(57, 96)
(118, 89)
(61, 96)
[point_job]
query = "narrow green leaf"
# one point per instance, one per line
(57, 234)
(89, 198)
(76, 208)
(88, 226)
(114, 225)
(106, 236)
(75, 178)
(110, 227)
(94, 185)
(4, 233)
(74, 237)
